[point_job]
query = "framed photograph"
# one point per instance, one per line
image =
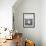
(13, 22)
(28, 20)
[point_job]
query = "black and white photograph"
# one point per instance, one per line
(29, 20)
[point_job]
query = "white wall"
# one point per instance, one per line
(6, 13)
(28, 6)
(43, 22)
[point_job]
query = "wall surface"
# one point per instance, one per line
(6, 13)
(28, 6)
(43, 22)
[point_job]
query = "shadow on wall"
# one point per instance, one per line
(28, 6)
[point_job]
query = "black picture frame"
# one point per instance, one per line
(28, 20)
